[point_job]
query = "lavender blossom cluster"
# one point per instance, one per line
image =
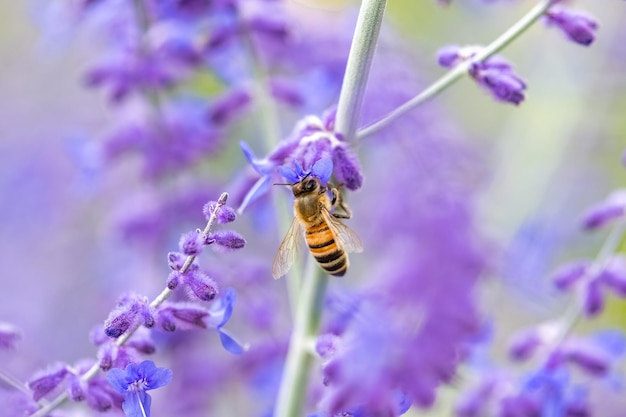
(249, 96)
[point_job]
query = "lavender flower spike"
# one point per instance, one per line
(134, 381)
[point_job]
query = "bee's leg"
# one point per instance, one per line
(340, 209)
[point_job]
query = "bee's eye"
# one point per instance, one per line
(309, 185)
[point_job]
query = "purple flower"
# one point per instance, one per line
(451, 55)
(310, 142)
(494, 74)
(578, 26)
(613, 275)
(592, 297)
(225, 214)
(230, 105)
(497, 76)
(173, 315)
(605, 211)
(566, 276)
(199, 286)
(191, 243)
(176, 260)
(134, 381)
(47, 381)
(132, 310)
(225, 240)
(9, 335)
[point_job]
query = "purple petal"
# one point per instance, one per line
(605, 211)
(47, 382)
(578, 26)
(176, 260)
(567, 275)
(448, 56)
(224, 215)
(347, 168)
(592, 298)
(226, 240)
(229, 106)
(525, 344)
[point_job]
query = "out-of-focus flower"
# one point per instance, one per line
(48, 380)
(134, 381)
(606, 211)
(591, 281)
(579, 26)
(494, 73)
(9, 335)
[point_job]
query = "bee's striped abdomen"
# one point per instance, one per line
(325, 250)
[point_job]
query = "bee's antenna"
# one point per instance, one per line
(282, 183)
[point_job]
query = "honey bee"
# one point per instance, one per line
(317, 217)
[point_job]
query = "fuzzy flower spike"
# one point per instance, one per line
(322, 169)
(134, 381)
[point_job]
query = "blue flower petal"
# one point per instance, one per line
(228, 299)
(230, 344)
(159, 378)
(323, 169)
(300, 173)
(291, 175)
(143, 369)
(117, 379)
(135, 402)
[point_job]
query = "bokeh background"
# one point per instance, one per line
(65, 258)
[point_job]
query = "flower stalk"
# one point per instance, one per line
(164, 295)
(461, 69)
(292, 391)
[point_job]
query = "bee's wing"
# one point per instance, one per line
(347, 238)
(286, 254)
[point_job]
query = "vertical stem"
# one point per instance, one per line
(292, 390)
(293, 386)
(358, 66)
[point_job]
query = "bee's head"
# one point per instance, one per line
(311, 182)
(307, 185)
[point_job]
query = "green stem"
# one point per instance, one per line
(95, 368)
(358, 66)
(293, 386)
(461, 69)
